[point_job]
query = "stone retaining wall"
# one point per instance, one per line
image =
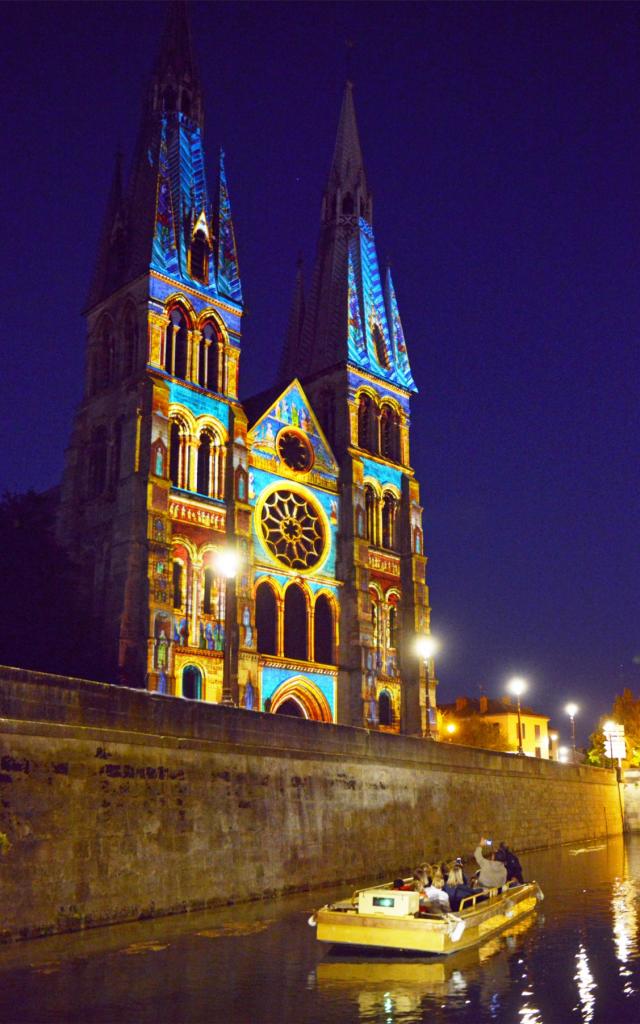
(120, 804)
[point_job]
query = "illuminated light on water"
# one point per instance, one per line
(625, 919)
(586, 985)
(530, 1015)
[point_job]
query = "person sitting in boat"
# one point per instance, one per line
(455, 874)
(511, 863)
(493, 873)
(457, 886)
(434, 899)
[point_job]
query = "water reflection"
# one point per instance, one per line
(576, 959)
(394, 989)
(586, 985)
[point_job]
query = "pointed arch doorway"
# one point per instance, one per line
(300, 698)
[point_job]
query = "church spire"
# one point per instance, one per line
(347, 191)
(176, 82)
(350, 317)
(112, 248)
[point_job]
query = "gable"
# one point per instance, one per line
(291, 414)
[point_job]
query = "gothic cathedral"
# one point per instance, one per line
(269, 553)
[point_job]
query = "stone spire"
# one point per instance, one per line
(347, 318)
(112, 249)
(166, 208)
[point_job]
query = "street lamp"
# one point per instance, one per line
(228, 565)
(451, 729)
(572, 710)
(517, 686)
(426, 647)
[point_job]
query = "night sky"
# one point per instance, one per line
(502, 146)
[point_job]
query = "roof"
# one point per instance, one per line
(490, 707)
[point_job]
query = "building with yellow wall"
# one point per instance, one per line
(500, 715)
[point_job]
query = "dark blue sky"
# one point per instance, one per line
(502, 146)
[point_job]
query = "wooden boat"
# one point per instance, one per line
(386, 918)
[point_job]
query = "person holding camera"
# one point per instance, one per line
(492, 874)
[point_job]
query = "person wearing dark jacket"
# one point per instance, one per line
(511, 863)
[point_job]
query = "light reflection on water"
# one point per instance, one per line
(576, 959)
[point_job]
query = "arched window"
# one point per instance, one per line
(295, 623)
(97, 478)
(176, 343)
(323, 631)
(392, 619)
(116, 452)
(199, 257)
(390, 434)
(385, 710)
(366, 423)
(389, 516)
(375, 621)
(208, 359)
(208, 591)
(192, 683)
(203, 482)
(178, 595)
(210, 465)
(371, 514)
(380, 346)
(130, 335)
(177, 454)
(266, 619)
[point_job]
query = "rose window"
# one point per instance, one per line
(292, 529)
(295, 451)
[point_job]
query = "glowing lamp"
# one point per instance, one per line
(228, 563)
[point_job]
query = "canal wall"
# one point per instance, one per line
(121, 804)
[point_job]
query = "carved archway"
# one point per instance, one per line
(305, 695)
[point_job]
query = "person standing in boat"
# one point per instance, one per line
(493, 873)
(511, 863)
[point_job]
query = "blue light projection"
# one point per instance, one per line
(198, 404)
(375, 337)
(272, 678)
(382, 472)
(228, 270)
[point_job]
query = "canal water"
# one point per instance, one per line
(577, 958)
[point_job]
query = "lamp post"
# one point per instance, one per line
(452, 728)
(426, 647)
(517, 686)
(228, 564)
(609, 728)
(572, 710)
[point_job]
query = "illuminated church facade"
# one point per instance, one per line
(266, 553)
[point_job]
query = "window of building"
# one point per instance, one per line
(390, 433)
(97, 478)
(266, 620)
(192, 683)
(389, 516)
(177, 584)
(371, 514)
(130, 335)
(116, 452)
(176, 344)
(367, 424)
(208, 375)
(199, 257)
(203, 474)
(208, 590)
(323, 631)
(296, 643)
(385, 711)
(380, 346)
(393, 626)
(176, 454)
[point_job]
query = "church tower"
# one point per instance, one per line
(155, 482)
(347, 346)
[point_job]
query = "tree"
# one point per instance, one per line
(475, 731)
(626, 712)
